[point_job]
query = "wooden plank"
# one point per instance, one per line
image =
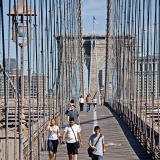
(121, 144)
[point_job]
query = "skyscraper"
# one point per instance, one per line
(10, 64)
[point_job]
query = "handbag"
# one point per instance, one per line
(77, 142)
(90, 149)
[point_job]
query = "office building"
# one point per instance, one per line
(33, 85)
(101, 78)
(146, 82)
(10, 64)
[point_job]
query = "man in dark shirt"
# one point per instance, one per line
(74, 113)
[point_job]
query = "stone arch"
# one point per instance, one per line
(102, 60)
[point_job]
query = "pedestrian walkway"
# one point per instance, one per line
(120, 143)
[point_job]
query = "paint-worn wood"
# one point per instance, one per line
(121, 144)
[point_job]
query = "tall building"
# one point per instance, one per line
(146, 81)
(11, 92)
(10, 64)
(110, 90)
(33, 85)
(101, 78)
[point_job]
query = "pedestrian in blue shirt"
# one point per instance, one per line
(74, 113)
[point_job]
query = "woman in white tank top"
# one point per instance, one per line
(53, 135)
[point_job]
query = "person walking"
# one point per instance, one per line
(96, 142)
(89, 102)
(73, 134)
(81, 103)
(53, 136)
(69, 107)
(74, 113)
(94, 102)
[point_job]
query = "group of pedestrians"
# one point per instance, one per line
(72, 137)
(89, 101)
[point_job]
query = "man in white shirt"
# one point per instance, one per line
(73, 134)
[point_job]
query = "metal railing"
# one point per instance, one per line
(134, 69)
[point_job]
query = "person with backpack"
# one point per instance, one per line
(96, 144)
(74, 113)
(69, 107)
(53, 136)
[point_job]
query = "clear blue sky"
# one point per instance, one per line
(95, 8)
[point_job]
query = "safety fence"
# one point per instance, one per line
(41, 70)
(132, 70)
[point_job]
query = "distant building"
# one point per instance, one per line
(110, 90)
(101, 78)
(11, 92)
(33, 85)
(10, 64)
(146, 83)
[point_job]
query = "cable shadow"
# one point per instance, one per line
(98, 119)
(133, 141)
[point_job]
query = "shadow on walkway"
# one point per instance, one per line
(138, 149)
(98, 119)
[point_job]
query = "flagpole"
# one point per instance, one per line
(93, 27)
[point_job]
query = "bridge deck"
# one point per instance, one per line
(120, 143)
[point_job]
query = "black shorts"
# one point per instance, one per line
(72, 148)
(94, 104)
(52, 145)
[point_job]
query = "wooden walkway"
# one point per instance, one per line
(120, 143)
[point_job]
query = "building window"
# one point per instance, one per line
(150, 67)
(140, 67)
(145, 67)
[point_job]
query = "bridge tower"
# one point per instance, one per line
(94, 50)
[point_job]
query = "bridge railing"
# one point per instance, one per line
(147, 137)
(133, 68)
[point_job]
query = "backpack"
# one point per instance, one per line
(66, 112)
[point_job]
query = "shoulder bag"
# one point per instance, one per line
(90, 149)
(77, 142)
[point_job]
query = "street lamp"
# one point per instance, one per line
(19, 29)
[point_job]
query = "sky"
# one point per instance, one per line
(95, 8)
(90, 8)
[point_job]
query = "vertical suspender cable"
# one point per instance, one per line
(4, 75)
(107, 47)
(8, 85)
(17, 81)
(37, 79)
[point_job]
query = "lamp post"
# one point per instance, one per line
(21, 28)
